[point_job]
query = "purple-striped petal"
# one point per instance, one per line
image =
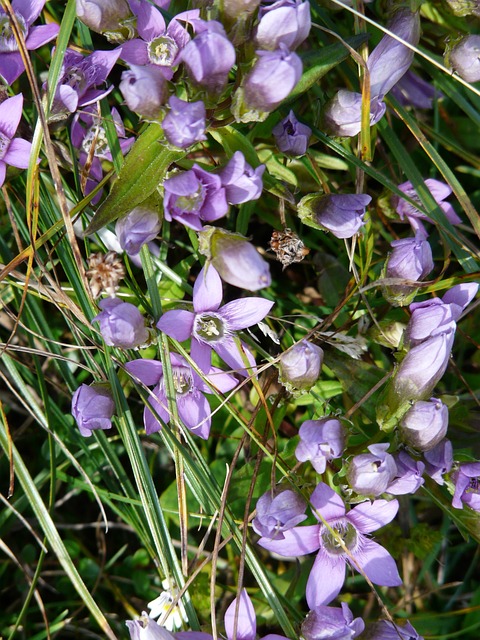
(177, 324)
(327, 502)
(245, 312)
(326, 579)
(207, 290)
(245, 618)
(298, 541)
(370, 516)
(377, 564)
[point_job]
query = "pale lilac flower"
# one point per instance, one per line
(412, 90)
(13, 151)
(194, 196)
(341, 214)
(145, 628)
(408, 478)
(121, 324)
(320, 441)
(364, 554)
(137, 228)
(291, 136)
(369, 474)
(425, 424)
(300, 366)
(439, 190)
(466, 480)
(109, 17)
(26, 12)
(411, 259)
(241, 182)
(185, 123)
(284, 22)
(439, 460)
(464, 57)
(332, 623)
(92, 408)
(193, 408)
(211, 326)
(343, 113)
(144, 89)
(277, 512)
(386, 630)
(242, 615)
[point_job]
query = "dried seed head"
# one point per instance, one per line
(288, 247)
(105, 270)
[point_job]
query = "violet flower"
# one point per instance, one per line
(241, 182)
(408, 478)
(278, 512)
(284, 22)
(342, 115)
(463, 57)
(211, 326)
(439, 460)
(411, 259)
(386, 630)
(332, 623)
(291, 136)
(425, 424)
(121, 324)
(193, 196)
(13, 151)
(412, 90)
(341, 214)
(144, 89)
(369, 474)
(300, 366)
(185, 123)
(242, 616)
(26, 12)
(350, 527)
(320, 441)
(137, 228)
(193, 408)
(92, 408)
(466, 480)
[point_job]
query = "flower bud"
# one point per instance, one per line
(291, 136)
(278, 514)
(109, 17)
(136, 229)
(121, 324)
(342, 214)
(242, 183)
(411, 259)
(92, 408)
(300, 366)
(464, 57)
(144, 90)
(369, 474)
(235, 258)
(425, 424)
(408, 478)
(343, 114)
(185, 123)
(439, 460)
(320, 441)
(284, 22)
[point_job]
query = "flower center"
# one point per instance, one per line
(8, 44)
(192, 202)
(344, 531)
(74, 77)
(162, 51)
(473, 486)
(182, 380)
(4, 144)
(96, 134)
(209, 327)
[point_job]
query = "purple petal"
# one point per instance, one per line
(245, 312)
(135, 52)
(327, 502)
(192, 635)
(326, 579)
(150, 421)
(103, 62)
(439, 190)
(298, 541)
(245, 616)
(3, 171)
(177, 324)
(149, 372)
(377, 564)
(201, 354)
(194, 410)
(207, 290)
(220, 380)
(28, 9)
(150, 22)
(230, 353)
(10, 114)
(38, 36)
(11, 66)
(18, 154)
(370, 516)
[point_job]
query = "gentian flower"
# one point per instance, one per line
(278, 512)
(408, 477)
(13, 151)
(369, 474)
(241, 182)
(412, 90)
(211, 326)
(425, 424)
(244, 618)
(137, 228)
(112, 18)
(439, 460)
(411, 259)
(185, 123)
(364, 555)
(193, 196)
(466, 480)
(121, 324)
(26, 12)
(284, 22)
(144, 89)
(342, 115)
(300, 366)
(92, 408)
(439, 190)
(193, 407)
(341, 214)
(320, 441)
(386, 630)
(291, 136)
(332, 623)
(463, 57)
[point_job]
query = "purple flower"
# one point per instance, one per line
(26, 12)
(13, 151)
(144, 90)
(466, 480)
(386, 630)
(213, 327)
(291, 136)
(193, 408)
(121, 324)
(146, 628)
(236, 260)
(193, 196)
(185, 123)
(343, 113)
(320, 441)
(277, 512)
(408, 477)
(439, 460)
(284, 22)
(411, 259)
(464, 57)
(425, 424)
(242, 615)
(92, 408)
(109, 17)
(137, 228)
(369, 474)
(332, 623)
(242, 183)
(364, 554)
(300, 366)
(439, 190)
(412, 90)
(341, 214)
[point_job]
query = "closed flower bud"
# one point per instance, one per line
(464, 57)
(300, 366)
(439, 460)
(411, 259)
(278, 513)
(109, 17)
(235, 258)
(320, 441)
(369, 474)
(121, 324)
(284, 22)
(425, 424)
(291, 136)
(242, 183)
(92, 408)
(185, 123)
(343, 114)
(136, 229)
(341, 214)
(144, 90)
(408, 478)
